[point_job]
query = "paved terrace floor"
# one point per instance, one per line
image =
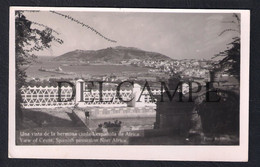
(61, 120)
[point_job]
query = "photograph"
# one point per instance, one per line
(116, 80)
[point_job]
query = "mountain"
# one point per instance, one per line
(111, 54)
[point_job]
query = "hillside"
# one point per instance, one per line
(113, 55)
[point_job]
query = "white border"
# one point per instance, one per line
(184, 153)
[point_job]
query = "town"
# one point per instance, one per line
(154, 71)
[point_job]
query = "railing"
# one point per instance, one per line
(48, 97)
(109, 97)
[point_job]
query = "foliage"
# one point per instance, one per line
(28, 40)
(109, 124)
(231, 60)
(48, 82)
(113, 127)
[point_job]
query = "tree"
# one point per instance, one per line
(27, 41)
(231, 60)
(223, 117)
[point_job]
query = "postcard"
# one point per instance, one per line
(129, 84)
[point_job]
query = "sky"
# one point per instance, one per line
(177, 35)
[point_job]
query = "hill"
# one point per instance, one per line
(112, 55)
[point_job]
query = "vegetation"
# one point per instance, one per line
(29, 40)
(113, 127)
(109, 124)
(231, 60)
(223, 117)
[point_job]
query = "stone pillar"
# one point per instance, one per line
(80, 88)
(137, 90)
(211, 76)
